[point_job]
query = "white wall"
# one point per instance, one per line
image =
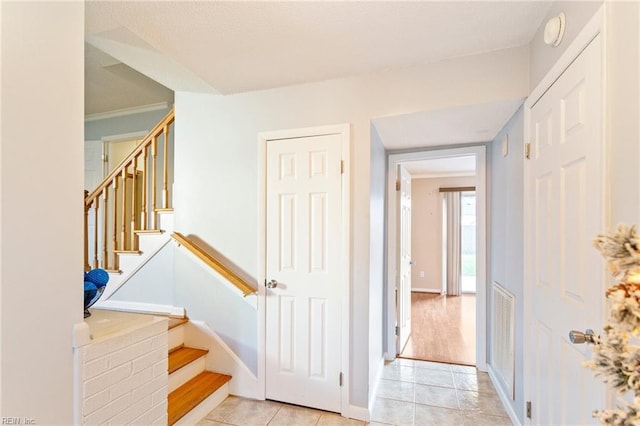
(623, 110)
(216, 186)
(42, 215)
(506, 233)
(426, 229)
(543, 57)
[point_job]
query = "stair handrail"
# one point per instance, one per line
(214, 263)
(126, 201)
(159, 129)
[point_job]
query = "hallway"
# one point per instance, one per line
(442, 328)
(410, 393)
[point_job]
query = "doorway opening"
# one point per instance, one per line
(443, 316)
(468, 241)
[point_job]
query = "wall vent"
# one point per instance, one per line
(503, 338)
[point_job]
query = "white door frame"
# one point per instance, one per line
(479, 151)
(263, 138)
(594, 27)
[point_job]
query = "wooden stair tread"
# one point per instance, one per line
(132, 252)
(192, 393)
(149, 231)
(175, 322)
(183, 356)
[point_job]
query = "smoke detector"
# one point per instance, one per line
(554, 30)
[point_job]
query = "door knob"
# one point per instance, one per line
(272, 284)
(578, 337)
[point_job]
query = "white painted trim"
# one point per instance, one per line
(374, 388)
(506, 402)
(479, 151)
(359, 413)
(440, 175)
(144, 308)
(126, 111)
(595, 26)
(345, 131)
(425, 290)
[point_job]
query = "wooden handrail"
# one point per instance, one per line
(214, 263)
(154, 133)
(128, 202)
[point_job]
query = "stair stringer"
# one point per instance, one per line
(130, 264)
(222, 359)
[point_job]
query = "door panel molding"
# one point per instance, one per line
(345, 230)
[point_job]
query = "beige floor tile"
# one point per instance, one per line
(463, 369)
(206, 422)
(428, 415)
(333, 419)
(484, 403)
(298, 416)
(478, 382)
(478, 419)
(399, 372)
(434, 377)
(395, 389)
(437, 396)
(432, 365)
(393, 412)
(245, 412)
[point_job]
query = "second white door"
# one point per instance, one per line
(304, 258)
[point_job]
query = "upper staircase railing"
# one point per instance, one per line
(125, 203)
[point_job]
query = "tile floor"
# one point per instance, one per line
(410, 393)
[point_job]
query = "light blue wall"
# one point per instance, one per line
(208, 299)
(97, 129)
(506, 200)
(376, 257)
(153, 283)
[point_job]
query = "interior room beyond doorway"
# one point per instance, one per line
(443, 318)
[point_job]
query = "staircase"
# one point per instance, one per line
(193, 391)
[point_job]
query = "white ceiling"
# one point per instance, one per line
(236, 46)
(442, 167)
(466, 124)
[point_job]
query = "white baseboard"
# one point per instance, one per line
(506, 402)
(374, 393)
(359, 413)
(426, 290)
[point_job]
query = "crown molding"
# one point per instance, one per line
(126, 111)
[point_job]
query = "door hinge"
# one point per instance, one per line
(397, 330)
(527, 151)
(341, 378)
(398, 185)
(341, 167)
(105, 158)
(528, 409)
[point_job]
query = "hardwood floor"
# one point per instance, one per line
(443, 328)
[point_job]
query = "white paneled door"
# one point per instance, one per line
(565, 274)
(303, 271)
(403, 295)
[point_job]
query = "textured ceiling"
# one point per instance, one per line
(237, 46)
(442, 167)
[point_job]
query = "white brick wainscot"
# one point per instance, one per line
(120, 369)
